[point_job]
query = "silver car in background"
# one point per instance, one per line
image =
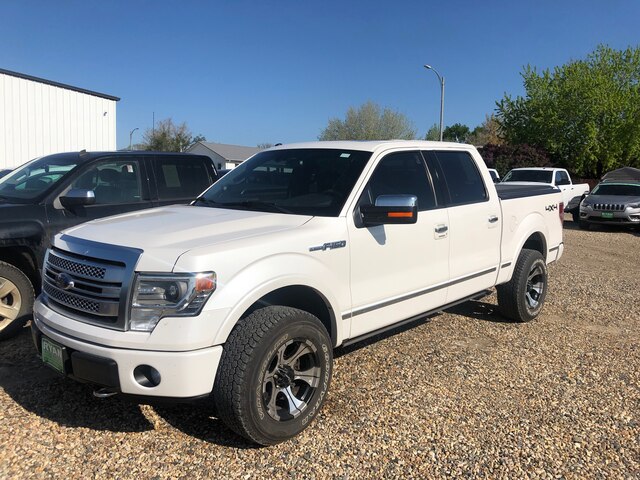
(611, 203)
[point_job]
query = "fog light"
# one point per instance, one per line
(146, 376)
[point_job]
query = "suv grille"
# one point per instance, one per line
(87, 289)
(614, 207)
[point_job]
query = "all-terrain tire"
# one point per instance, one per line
(274, 374)
(16, 300)
(521, 299)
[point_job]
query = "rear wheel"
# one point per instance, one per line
(521, 298)
(16, 300)
(274, 374)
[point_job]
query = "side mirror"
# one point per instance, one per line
(77, 197)
(390, 209)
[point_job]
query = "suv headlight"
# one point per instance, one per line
(168, 295)
(634, 205)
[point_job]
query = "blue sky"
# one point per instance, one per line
(248, 72)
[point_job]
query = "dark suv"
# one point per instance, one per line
(51, 193)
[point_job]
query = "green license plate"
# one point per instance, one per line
(52, 354)
(607, 214)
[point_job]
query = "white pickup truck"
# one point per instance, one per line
(556, 177)
(241, 297)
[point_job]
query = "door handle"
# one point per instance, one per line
(441, 228)
(493, 219)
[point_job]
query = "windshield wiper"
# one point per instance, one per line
(252, 204)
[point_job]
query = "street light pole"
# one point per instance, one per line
(131, 136)
(441, 79)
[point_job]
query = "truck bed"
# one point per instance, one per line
(508, 191)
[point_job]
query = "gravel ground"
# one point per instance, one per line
(464, 393)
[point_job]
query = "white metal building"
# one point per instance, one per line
(39, 117)
(222, 154)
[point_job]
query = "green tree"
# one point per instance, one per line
(456, 133)
(585, 113)
(369, 122)
(168, 137)
(433, 133)
(264, 146)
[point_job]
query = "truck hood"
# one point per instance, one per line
(166, 233)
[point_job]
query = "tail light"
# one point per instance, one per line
(561, 212)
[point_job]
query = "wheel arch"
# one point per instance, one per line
(535, 241)
(531, 233)
(295, 294)
(23, 258)
(302, 297)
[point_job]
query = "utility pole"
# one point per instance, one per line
(131, 136)
(441, 79)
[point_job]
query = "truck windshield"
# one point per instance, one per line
(540, 176)
(297, 181)
(626, 189)
(32, 179)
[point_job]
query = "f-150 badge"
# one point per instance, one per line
(329, 246)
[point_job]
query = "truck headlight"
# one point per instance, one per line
(168, 295)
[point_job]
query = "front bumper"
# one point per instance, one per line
(183, 375)
(627, 217)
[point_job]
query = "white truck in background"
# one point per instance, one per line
(241, 297)
(556, 177)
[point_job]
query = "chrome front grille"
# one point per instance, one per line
(611, 207)
(73, 301)
(87, 288)
(77, 267)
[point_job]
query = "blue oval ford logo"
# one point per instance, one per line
(64, 281)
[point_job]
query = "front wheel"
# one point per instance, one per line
(521, 298)
(274, 374)
(16, 300)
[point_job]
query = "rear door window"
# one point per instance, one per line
(562, 178)
(462, 177)
(181, 177)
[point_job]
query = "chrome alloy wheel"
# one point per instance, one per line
(535, 287)
(10, 302)
(291, 379)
